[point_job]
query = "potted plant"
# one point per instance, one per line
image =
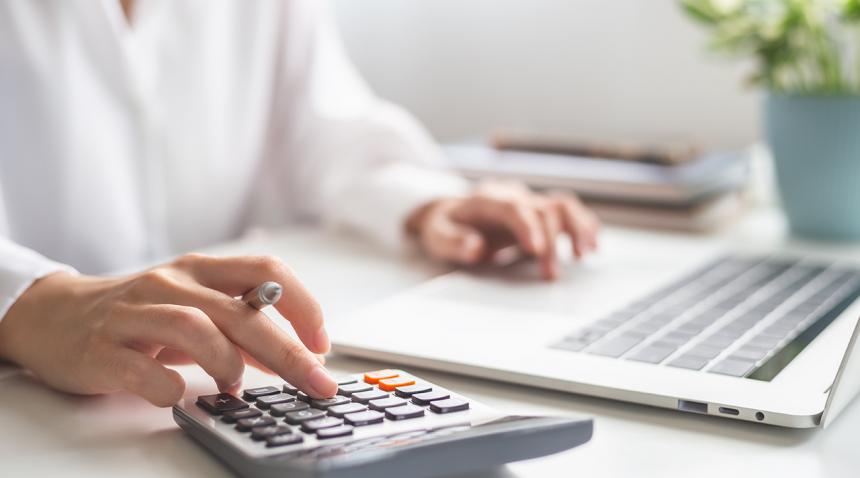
(807, 54)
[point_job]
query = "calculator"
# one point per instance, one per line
(383, 422)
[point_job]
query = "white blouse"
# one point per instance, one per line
(121, 145)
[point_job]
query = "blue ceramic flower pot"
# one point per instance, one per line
(816, 147)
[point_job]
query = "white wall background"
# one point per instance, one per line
(635, 69)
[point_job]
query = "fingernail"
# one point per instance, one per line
(321, 383)
(322, 341)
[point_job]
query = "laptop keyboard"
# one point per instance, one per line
(743, 317)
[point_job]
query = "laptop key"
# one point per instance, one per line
(364, 397)
(719, 340)
(689, 362)
(267, 401)
(343, 409)
(251, 394)
(749, 352)
(295, 418)
(616, 346)
(281, 409)
(220, 403)
(571, 345)
(705, 351)
(233, 417)
(367, 417)
(733, 367)
(449, 406)
(652, 354)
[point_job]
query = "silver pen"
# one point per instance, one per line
(264, 294)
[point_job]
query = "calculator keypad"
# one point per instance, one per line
(286, 416)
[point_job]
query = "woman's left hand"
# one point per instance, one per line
(471, 230)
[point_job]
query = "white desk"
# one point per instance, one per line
(45, 433)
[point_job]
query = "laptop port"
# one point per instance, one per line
(729, 411)
(692, 407)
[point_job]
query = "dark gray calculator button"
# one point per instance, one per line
(348, 389)
(334, 432)
(329, 402)
(246, 424)
(261, 433)
(303, 397)
(232, 417)
(384, 403)
(449, 405)
(346, 380)
(283, 440)
(290, 388)
(360, 419)
(220, 403)
(410, 390)
(269, 400)
(320, 423)
(427, 397)
(404, 412)
(281, 409)
(343, 409)
(364, 397)
(251, 394)
(294, 418)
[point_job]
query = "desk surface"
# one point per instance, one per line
(45, 433)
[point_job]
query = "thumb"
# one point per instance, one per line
(448, 240)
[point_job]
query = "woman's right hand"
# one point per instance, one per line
(91, 335)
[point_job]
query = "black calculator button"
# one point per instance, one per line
(311, 426)
(410, 390)
(350, 388)
(334, 432)
(251, 394)
(246, 424)
(269, 400)
(261, 433)
(281, 409)
(346, 380)
(294, 418)
(364, 397)
(343, 409)
(232, 417)
(220, 403)
(330, 402)
(367, 417)
(290, 388)
(404, 412)
(384, 403)
(303, 397)
(283, 440)
(449, 405)
(427, 397)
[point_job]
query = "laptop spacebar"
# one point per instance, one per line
(770, 368)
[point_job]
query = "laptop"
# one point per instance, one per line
(662, 320)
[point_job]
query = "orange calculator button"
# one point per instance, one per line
(389, 384)
(377, 375)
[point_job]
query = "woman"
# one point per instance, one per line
(132, 130)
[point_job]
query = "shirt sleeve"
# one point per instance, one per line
(19, 268)
(356, 160)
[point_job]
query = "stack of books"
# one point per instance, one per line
(698, 193)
